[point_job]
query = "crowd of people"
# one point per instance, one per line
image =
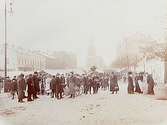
(140, 83)
(72, 84)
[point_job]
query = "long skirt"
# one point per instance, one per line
(150, 89)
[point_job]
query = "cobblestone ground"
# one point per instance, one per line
(103, 108)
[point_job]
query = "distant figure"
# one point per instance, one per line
(52, 87)
(150, 82)
(7, 84)
(137, 87)
(14, 87)
(72, 86)
(30, 90)
(96, 84)
(114, 84)
(90, 84)
(43, 86)
(47, 86)
(21, 87)
(36, 85)
(85, 84)
(61, 86)
(58, 89)
(141, 77)
(130, 83)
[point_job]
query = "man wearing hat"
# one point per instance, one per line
(130, 83)
(61, 86)
(36, 85)
(52, 86)
(30, 90)
(57, 85)
(114, 83)
(21, 87)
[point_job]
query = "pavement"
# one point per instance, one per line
(103, 108)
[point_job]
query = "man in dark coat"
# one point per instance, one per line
(130, 84)
(7, 84)
(57, 87)
(36, 85)
(14, 87)
(43, 84)
(137, 87)
(61, 86)
(114, 83)
(95, 84)
(21, 87)
(91, 84)
(52, 87)
(30, 90)
(85, 84)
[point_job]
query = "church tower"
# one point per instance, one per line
(91, 57)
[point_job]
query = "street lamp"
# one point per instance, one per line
(5, 40)
(11, 11)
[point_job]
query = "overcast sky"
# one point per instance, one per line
(71, 24)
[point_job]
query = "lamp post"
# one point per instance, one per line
(5, 40)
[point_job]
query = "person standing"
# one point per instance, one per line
(91, 84)
(85, 84)
(106, 82)
(30, 90)
(72, 86)
(47, 86)
(52, 87)
(130, 83)
(7, 84)
(21, 84)
(114, 83)
(95, 84)
(137, 87)
(36, 85)
(151, 83)
(14, 87)
(61, 86)
(57, 87)
(43, 85)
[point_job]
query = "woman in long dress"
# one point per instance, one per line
(150, 82)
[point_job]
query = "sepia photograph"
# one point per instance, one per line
(83, 62)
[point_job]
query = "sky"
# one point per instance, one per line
(71, 25)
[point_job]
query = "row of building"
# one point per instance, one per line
(27, 60)
(139, 53)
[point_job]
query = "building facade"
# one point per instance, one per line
(19, 59)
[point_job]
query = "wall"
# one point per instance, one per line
(153, 66)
